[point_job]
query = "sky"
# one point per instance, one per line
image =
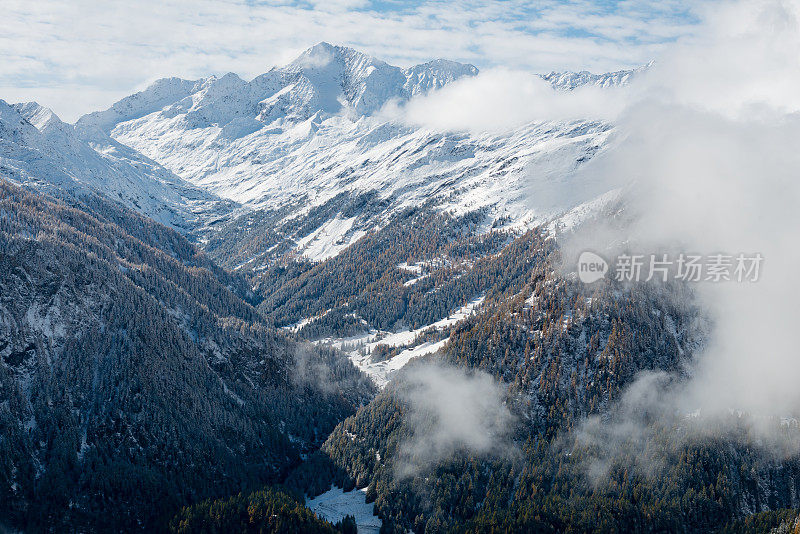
(77, 56)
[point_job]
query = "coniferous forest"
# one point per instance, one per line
(165, 385)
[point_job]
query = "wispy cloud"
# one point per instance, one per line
(80, 55)
(500, 99)
(451, 410)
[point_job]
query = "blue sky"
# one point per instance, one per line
(80, 55)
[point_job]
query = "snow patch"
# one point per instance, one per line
(329, 239)
(335, 504)
(359, 348)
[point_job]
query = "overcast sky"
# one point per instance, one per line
(77, 56)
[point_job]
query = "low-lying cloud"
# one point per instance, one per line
(501, 99)
(707, 152)
(451, 410)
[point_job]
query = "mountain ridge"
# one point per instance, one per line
(365, 83)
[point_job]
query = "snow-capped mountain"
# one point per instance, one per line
(297, 137)
(324, 79)
(568, 80)
(38, 149)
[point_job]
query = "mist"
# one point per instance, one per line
(707, 156)
(451, 410)
(720, 175)
(500, 99)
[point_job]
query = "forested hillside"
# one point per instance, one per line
(136, 377)
(367, 279)
(564, 352)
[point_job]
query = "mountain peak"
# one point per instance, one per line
(323, 54)
(324, 78)
(435, 75)
(323, 47)
(13, 126)
(158, 94)
(568, 80)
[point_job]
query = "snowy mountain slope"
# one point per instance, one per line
(297, 137)
(161, 93)
(38, 149)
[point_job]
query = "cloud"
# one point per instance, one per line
(111, 49)
(712, 150)
(451, 410)
(501, 99)
(709, 143)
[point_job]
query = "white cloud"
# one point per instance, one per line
(710, 144)
(500, 99)
(715, 144)
(73, 49)
(451, 410)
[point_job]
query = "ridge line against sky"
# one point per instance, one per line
(79, 56)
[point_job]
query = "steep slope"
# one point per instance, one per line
(38, 149)
(134, 375)
(348, 178)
